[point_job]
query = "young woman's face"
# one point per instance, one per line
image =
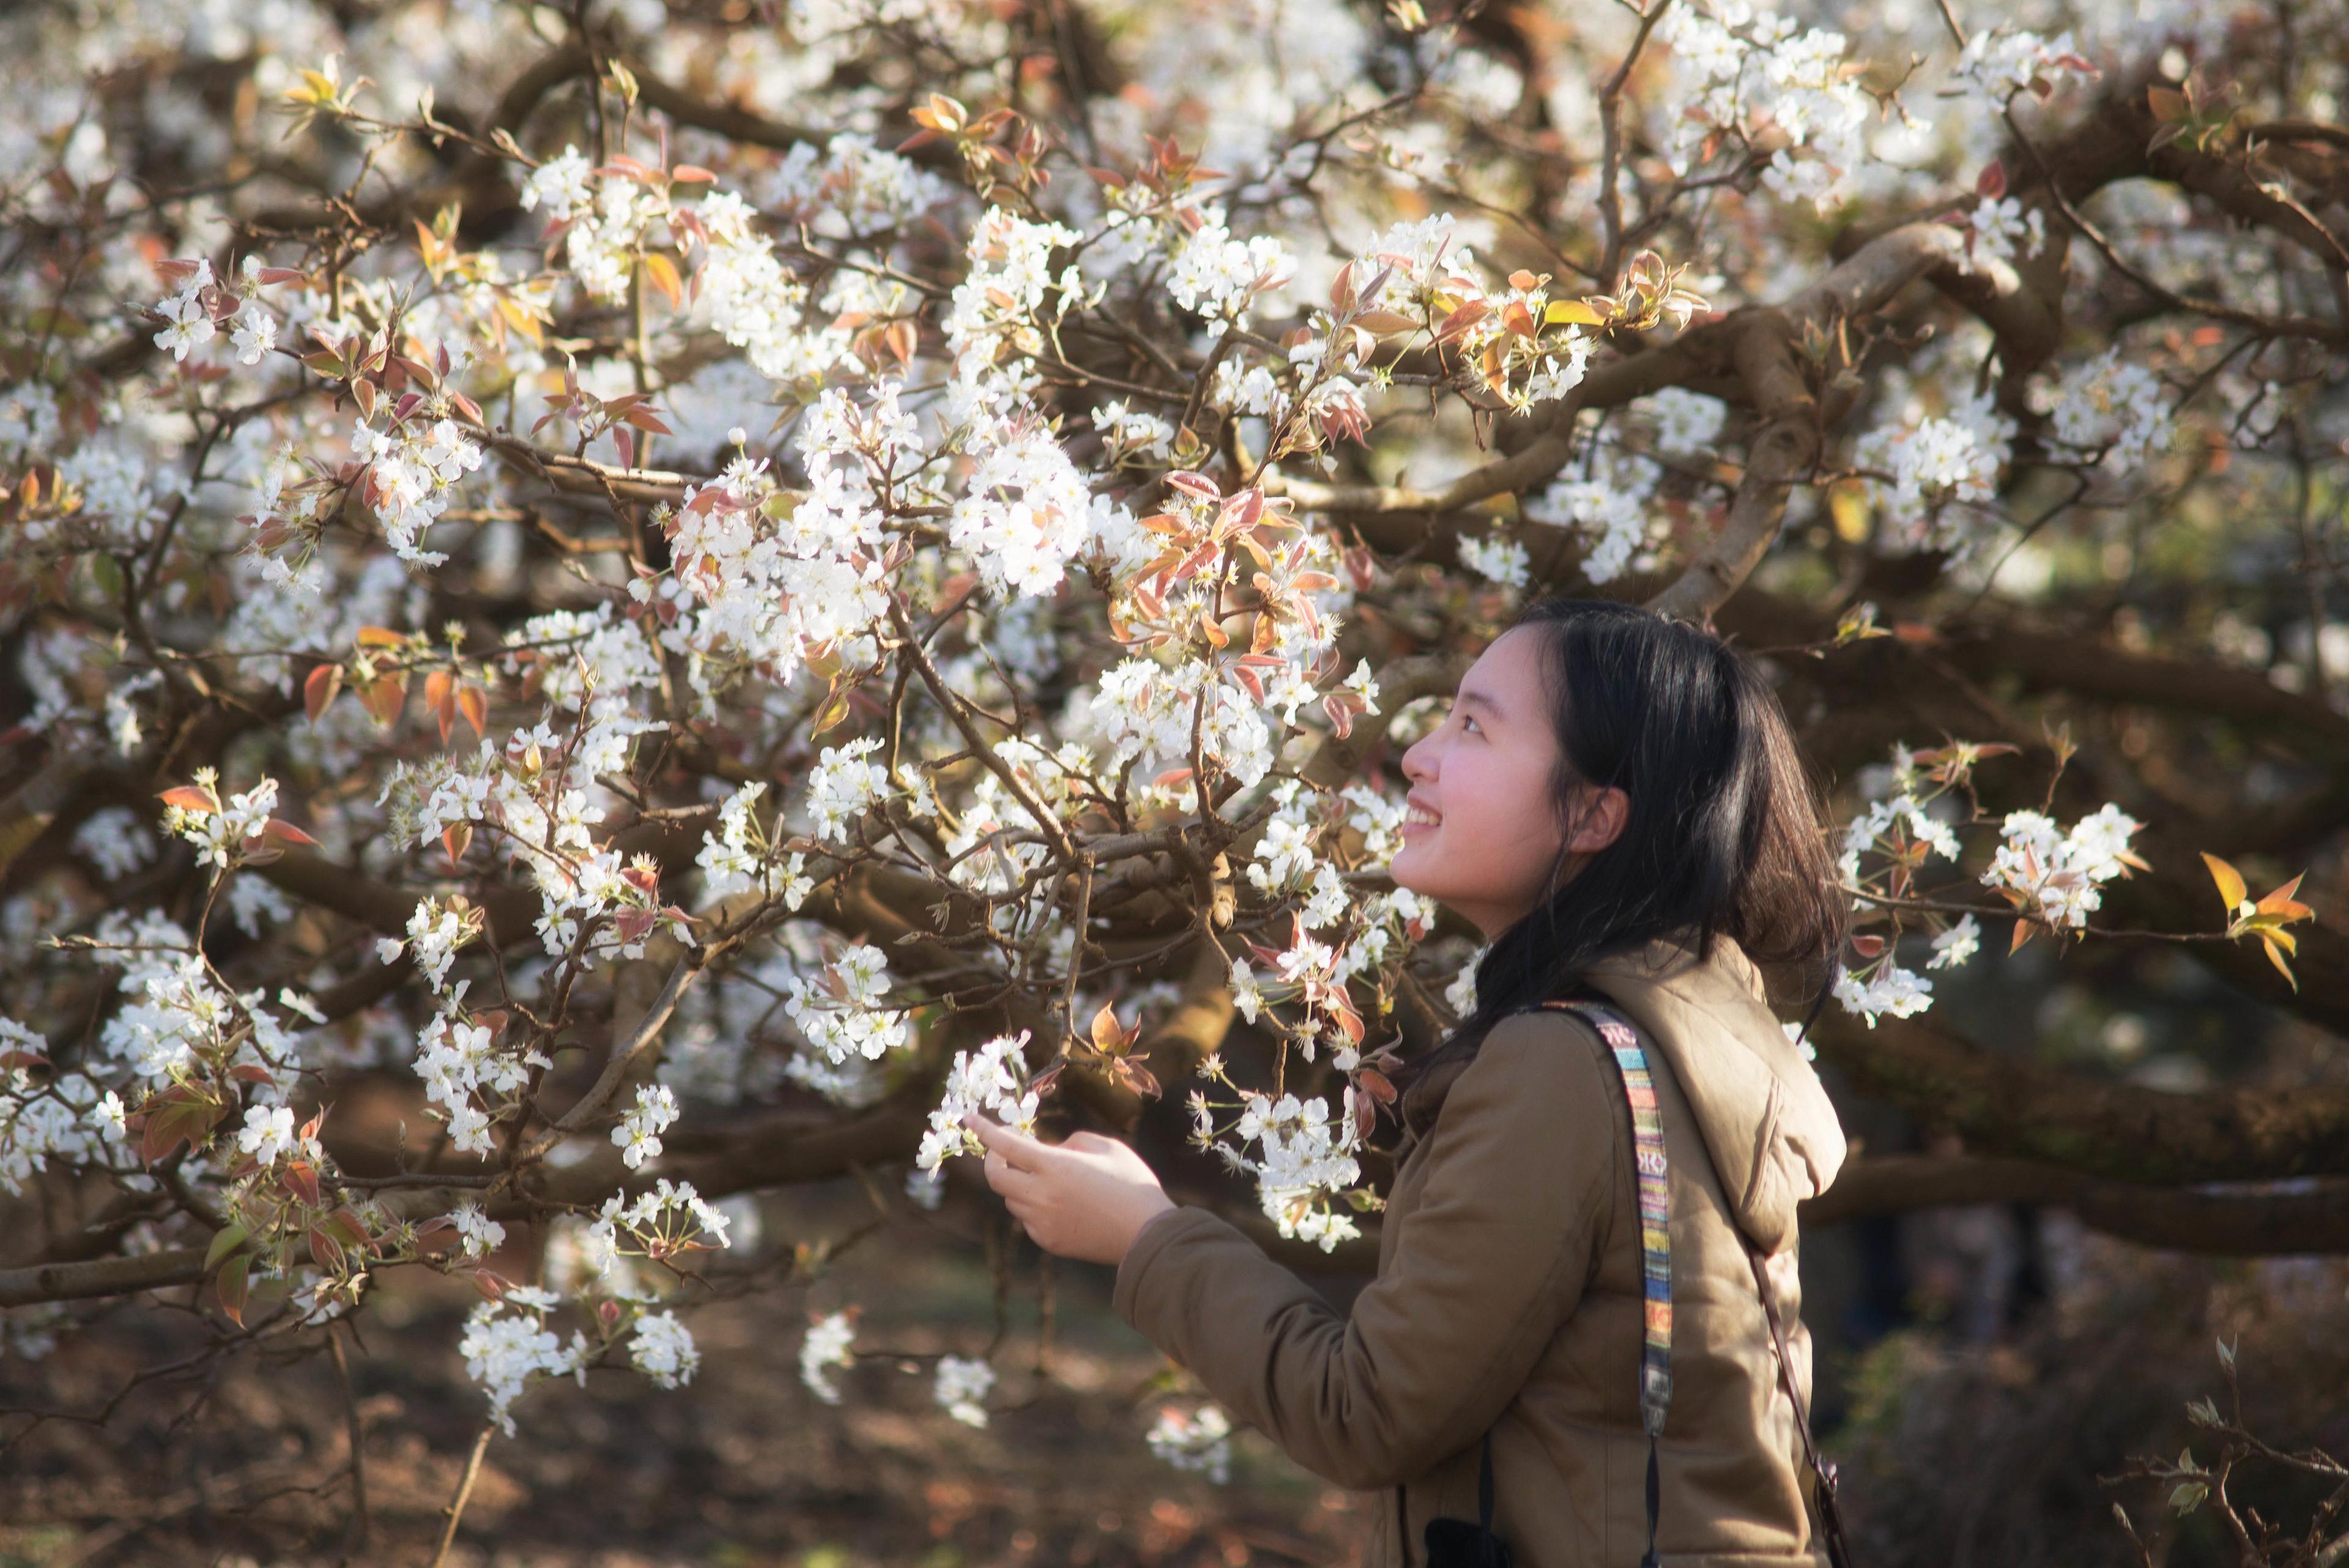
(1485, 776)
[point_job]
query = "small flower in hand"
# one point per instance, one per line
(1087, 1198)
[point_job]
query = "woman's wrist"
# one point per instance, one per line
(1165, 1205)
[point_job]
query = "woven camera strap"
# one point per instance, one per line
(1655, 1233)
(1648, 1130)
(1655, 1263)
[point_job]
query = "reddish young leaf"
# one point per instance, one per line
(192, 799)
(301, 1180)
(324, 1251)
(319, 688)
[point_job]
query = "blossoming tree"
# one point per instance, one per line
(712, 586)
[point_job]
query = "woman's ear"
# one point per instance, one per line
(1600, 818)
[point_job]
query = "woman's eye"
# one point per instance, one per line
(1467, 722)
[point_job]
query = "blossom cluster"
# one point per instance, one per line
(1306, 1155)
(1215, 276)
(2054, 874)
(639, 1134)
(734, 853)
(666, 1220)
(70, 1120)
(992, 1079)
(841, 1013)
(1196, 1442)
(507, 1351)
(220, 836)
(826, 1346)
(1740, 64)
(1936, 460)
(462, 1065)
(413, 471)
(2115, 407)
(1610, 503)
(961, 1389)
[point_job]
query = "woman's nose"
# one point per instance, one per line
(1414, 764)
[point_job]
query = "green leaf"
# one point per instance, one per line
(234, 1284)
(230, 1237)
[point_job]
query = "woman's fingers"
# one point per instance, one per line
(1019, 1150)
(1007, 1178)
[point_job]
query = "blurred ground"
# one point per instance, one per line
(1984, 1436)
(744, 1469)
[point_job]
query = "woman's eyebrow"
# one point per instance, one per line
(1469, 698)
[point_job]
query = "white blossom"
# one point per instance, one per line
(663, 1350)
(639, 1134)
(1199, 1442)
(1956, 945)
(962, 1383)
(478, 1233)
(506, 1354)
(1888, 989)
(992, 1079)
(826, 1345)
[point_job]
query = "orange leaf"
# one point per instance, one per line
(662, 272)
(474, 704)
(385, 697)
(2282, 902)
(2230, 881)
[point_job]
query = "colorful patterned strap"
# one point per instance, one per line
(1655, 1205)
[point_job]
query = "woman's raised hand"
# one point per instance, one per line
(1088, 1196)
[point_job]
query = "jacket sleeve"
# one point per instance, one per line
(1488, 1264)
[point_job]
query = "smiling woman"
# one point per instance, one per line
(1588, 1264)
(1490, 769)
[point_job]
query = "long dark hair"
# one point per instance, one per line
(1723, 834)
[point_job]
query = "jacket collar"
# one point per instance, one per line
(1765, 1117)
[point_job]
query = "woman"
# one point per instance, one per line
(1615, 800)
